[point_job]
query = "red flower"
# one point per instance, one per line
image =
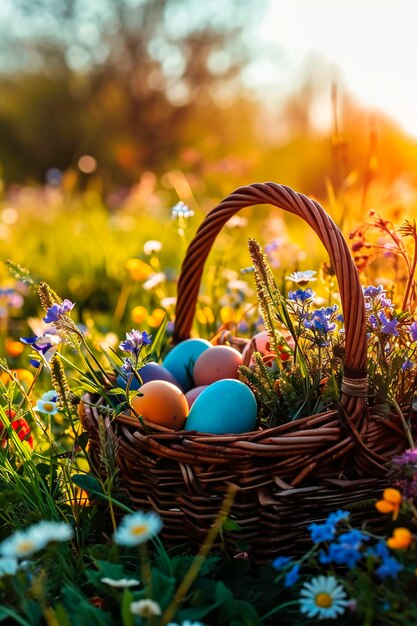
(20, 426)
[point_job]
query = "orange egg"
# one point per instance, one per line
(162, 403)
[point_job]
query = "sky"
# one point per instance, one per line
(367, 46)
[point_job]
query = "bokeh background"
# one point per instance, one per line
(112, 111)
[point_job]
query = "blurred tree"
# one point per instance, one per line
(118, 79)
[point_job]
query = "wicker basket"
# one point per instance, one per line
(286, 477)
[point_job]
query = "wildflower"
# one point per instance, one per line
(19, 425)
(281, 561)
(391, 502)
(47, 403)
(320, 320)
(122, 583)
(139, 314)
(138, 269)
(46, 344)
(154, 280)
(26, 542)
(323, 597)
(413, 331)
(401, 539)
(8, 567)
(56, 311)
(137, 528)
(134, 341)
(337, 516)
(389, 567)
(388, 326)
(156, 318)
(127, 366)
(302, 278)
(346, 550)
(292, 577)
(13, 348)
(373, 292)
(152, 246)
(407, 365)
(321, 532)
(181, 210)
(409, 456)
(301, 295)
(145, 608)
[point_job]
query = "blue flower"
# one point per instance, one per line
(321, 532)
(379, 550)
(346, 550)
(127, 366)
(56, 311)
(281, 561)
(134, 341)
(389, 567)
(407, 365)
(181, 210)
(301, 295)
(337, 516)
(320, 320)
(292, 576)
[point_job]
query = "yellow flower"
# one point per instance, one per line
(228, 315)
(138, 269)
(156, 318)
(401, 539)
(391, 502)
(139, 314)
(205, 315)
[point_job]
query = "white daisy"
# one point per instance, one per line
(137, 528)
(323, 597)
(8, 567)
(121, 583)
(186, 623)
(154, 280)
(151, 246)
(47, 403)
(302, 278)
(23, 543)
(145, 608)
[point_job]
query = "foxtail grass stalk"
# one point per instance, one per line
(198, 561)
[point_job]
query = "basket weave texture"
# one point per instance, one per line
(286, 477)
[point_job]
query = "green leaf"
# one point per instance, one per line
(163, 587)
(159, 339)
(81, 611)
(61, 615)
(89, 483)
(230, 524)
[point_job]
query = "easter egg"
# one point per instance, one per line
(149, 371)
(225, 407)
(162, 403)
(193, 394)
(180, 361)
(215, 364)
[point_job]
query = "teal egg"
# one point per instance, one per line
(180, 361)
(225, 407)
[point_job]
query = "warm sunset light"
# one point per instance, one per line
(367, 46)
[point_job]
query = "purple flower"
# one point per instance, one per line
(56, 311)
(413, 331)
(372, 292)
(388, 327)
(320, 320)
(134, 341)
(407, 365)
(127, 366)
(44, 344)
(292, 576)
(408, 457)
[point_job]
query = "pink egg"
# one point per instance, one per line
(216, 364)
(193, 394)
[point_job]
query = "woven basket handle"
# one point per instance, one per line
(354, 380)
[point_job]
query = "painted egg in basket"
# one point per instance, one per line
(225, 407)
(216, 364)
(149, 371)
(162, 403)
(180, 361)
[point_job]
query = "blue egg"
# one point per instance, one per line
(226, 407)
(149, 371)
(180, 361)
